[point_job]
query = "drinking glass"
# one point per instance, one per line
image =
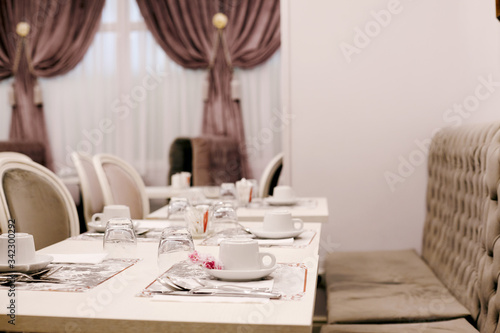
(176, 243)
(227, 191)
(224, 216)
(119, 239)
(198, 220)
(176, 207)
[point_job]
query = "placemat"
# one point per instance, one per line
(289, 279)
(79, 277)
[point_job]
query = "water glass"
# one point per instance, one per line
(119, 239)
(177, 207)
(198, 220)
(176, 243)
(228, 191)
(224, 216)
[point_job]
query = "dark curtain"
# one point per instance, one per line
(183, 28)
(61, 32)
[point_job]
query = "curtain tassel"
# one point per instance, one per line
(12, 95)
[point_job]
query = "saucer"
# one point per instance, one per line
(98, 227)
(240, 275)
(276, 234)
(41, 261)
(280, 202)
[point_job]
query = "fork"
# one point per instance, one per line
(22, 277)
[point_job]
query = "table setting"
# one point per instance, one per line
(202, 258)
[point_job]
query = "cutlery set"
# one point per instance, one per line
(188, 288)
(38, 276)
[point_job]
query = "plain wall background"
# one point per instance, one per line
(354, 122)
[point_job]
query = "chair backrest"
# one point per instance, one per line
(38, 201)
(270, 176)
(13, 154)
(121, 184)
(92, 197)
(180, 157)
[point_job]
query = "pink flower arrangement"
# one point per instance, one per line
(205, 260)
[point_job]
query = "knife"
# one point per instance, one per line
(218, 292)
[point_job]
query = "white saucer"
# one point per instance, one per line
(276, 234)
(237, 275)
(280, 202)
(98, 227)
(41, 260)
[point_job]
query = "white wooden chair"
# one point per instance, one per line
(90, 188)
(38, 201)
(270, 175)
(121, 184)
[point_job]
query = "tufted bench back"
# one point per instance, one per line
(463, 219)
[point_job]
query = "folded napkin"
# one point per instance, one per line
(80, 258)
(210, 299)
(281, 241)
(157, 224)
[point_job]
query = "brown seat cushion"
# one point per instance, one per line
(386, 287)
(449, 326)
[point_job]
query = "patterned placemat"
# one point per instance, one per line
(79, 277)
(289, 279)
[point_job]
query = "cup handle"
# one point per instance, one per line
(270, 255)
(97, 217)
(301, 224)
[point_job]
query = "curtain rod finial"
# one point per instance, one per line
(219, 20)
(23, 29)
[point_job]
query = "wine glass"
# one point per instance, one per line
(119, 239)
(176, 243)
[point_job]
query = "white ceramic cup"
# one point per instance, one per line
(22, 247)
(281, 221)
(283, 193)
(181, 180)
(243, 254)
(110, 212)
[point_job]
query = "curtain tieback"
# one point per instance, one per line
(23, 29)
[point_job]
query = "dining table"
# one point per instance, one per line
(121, 299)
(308, 209)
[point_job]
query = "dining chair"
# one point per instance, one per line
(38, 200)
(10, 154)
(90, 188)
(121, 184)
(270, 176)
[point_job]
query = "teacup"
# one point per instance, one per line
(281, 221)
(17, 249)
(181, 180)
(243, 254)
(283, 193)
(110, 212)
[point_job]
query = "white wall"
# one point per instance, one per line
(358, 117)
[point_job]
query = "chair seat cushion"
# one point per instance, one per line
(386, 287)
(449, 326)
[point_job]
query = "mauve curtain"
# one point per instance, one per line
(61, 32)
(184, 30)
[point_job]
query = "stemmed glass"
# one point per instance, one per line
(176, 243)
(119, 239)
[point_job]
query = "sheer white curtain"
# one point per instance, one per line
(128, 98)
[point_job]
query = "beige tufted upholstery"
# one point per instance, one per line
(461, 223)
(460, 238)
(447, 326)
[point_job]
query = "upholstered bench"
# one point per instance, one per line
(452, 286)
